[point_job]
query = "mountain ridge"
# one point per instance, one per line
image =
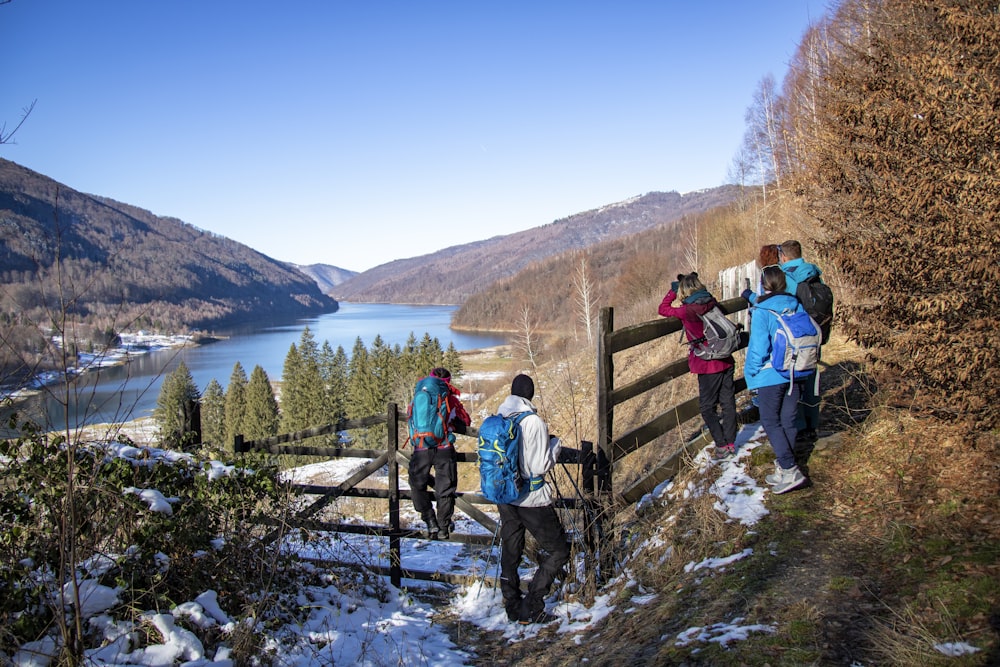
(450, 275)
(120, 263)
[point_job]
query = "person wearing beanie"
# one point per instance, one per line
(534, 513)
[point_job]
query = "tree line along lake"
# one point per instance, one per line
(129, 391)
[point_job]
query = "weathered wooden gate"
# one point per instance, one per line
(392, 457)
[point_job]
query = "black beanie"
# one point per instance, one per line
(523, 386)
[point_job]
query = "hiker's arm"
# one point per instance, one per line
(538, 453)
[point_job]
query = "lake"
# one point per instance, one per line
(127, 392)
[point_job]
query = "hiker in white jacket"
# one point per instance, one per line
(533, 513)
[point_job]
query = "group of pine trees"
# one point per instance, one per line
(319, 386)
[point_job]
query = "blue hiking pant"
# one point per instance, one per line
(778, 410)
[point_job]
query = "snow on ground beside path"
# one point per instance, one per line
(351, 618)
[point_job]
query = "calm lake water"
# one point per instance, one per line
(124, 393)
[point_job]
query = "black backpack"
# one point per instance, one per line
(817, 298)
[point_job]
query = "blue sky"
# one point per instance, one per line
(355, 133)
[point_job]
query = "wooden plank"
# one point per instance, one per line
(637, 334)
(420, 575)
(665, 470)
(349, 483)
(643, 435)
(605, 382)
(665, 374)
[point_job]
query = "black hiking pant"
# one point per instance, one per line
(543, 524)
(718, 389)
(445, 465)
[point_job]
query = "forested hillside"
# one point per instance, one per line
(450, 275)
(116, 267)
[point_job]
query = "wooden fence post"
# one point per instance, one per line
(392, 446)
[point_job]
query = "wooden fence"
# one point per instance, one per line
(391, 457)
(615, 446)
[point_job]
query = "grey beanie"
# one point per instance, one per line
(523, 386)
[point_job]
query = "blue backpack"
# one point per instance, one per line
(499, 460)
(427, 416)
(796, 343)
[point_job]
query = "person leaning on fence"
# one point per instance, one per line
(534, 513)
(797, 270)
(777, 398)
(716, 385)
(441, 456)
(767, 256)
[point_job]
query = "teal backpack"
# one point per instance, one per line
(427, 416)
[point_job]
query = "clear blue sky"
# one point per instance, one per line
(355, 133)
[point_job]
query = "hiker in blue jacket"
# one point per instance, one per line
(797, 270)
(778, 402)
(534, 513)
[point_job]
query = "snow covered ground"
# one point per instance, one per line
(362, 625)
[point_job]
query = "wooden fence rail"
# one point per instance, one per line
(392, 457)
(615, 447)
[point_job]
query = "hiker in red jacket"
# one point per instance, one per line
(716, 385)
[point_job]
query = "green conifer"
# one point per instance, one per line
(236, 401)
(177, 412)
(261, 417)
(213, 414)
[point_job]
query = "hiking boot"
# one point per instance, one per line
(791, 479)
(432, 526)
(726, 453)
(540, 617)
(513, 609)
(445, 532)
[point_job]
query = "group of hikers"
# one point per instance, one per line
(435, 415)
(790, 314)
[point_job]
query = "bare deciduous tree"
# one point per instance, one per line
(585, 297)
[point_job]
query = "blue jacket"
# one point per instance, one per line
(757, 366)
(797, 271)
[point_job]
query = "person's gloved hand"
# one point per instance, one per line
(674, 286)
(746, 294)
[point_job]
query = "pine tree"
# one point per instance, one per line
(333, 368)
(453, 360)
(236, 401)
(292, 412)
(177, 412)
(261, 417)
(213, 414)
(361, 387)
(303, 393)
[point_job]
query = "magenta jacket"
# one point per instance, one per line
(688, 313)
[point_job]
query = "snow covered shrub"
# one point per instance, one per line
(153, 526)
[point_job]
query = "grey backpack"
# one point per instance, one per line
(721, 339)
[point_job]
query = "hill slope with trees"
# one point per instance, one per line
(450, 275)
(117, 263)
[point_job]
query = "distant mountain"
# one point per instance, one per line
(450, 275)
(327, 277)
(120, 265)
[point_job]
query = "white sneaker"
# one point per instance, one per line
(791, 479)
(774, 477)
